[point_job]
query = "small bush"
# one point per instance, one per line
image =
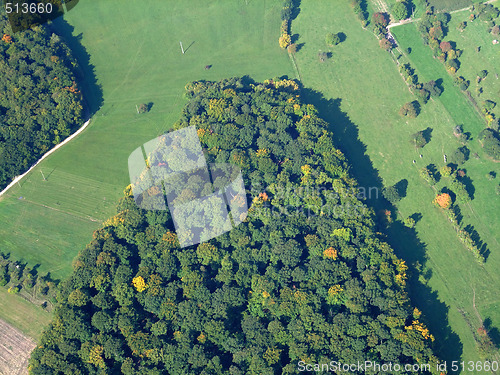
(332, 39)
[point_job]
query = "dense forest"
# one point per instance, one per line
(305, 277)
(40, 103)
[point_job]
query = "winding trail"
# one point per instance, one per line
(47, 154)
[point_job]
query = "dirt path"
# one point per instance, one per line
(19, 178)
(15, 349)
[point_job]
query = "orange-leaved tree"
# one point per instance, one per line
(443, 200)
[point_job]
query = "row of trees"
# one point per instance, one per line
(304, 277)
(433, 27)
(288, 12)
(40, 103)
(360, 9)
(18, 277)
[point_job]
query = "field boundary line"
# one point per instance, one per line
(47, 154)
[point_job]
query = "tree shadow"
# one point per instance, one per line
(295, 38)
(482, 246)
(439, 84)
(296, 9)
(401, 187)
(299, 46)
(91, 89)
(150, 106)
(417, 216)
(342, 37)
(427, 133)
(433, 169)
(493, 332)
(403, 240)
(469, 186)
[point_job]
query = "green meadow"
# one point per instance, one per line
(362, 80)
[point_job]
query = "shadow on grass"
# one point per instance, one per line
(493, 332)
(403, 240)
(91, 89)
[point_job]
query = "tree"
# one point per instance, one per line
(385, 44)
(418, 139)
(461, 26)
(436, 33)
(482, 74)
(285, 40)
(443, 200)
(459, 156)
(400, 10)
(445, 46)
(292, 48)
(332, 39)
(490, 142)
(391, 193)
(428, 176)
(381, 19)
(433, 89)
(410, 110)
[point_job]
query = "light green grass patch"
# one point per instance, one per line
(27, 317)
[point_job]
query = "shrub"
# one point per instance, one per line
(488, 106)
(422, 96)
(410, 109)
(143, 108)
(409, 222)
(286, 14)
(428, 176)
(445, 171)
(461, 82)
(332, 39)
(323, 56)
(482, 74)
(495, 30)
(462, 25)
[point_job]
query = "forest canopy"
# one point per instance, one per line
(40, 103)
(303, 278)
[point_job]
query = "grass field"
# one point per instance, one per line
(135, 58)
(370, 92)
(28, 318)
(472, 62)
(450, 5)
